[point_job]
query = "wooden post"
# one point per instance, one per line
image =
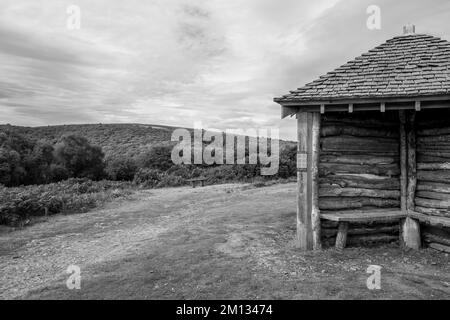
(315, 212)
(411, 227)
(308, 131)
(403, 162)
(341, 238)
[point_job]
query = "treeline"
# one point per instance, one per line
(25, 161)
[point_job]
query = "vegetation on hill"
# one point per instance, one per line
(39, 159)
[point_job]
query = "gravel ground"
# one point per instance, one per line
(226, 242)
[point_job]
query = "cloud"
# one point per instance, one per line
(175, 62)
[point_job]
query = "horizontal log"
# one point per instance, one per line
(429, 237)
(432, 203)
(433, 186)
(433, 195)
(433, 166)
(441, 138)
(358, 159)
(351, 181)
(439, 247)
(432, 211)
(362, 240)
(434, 148)
(328, 233)
(372, 239)
(443, 122)
(433, 131)
(358, 192)
(380, 170)
(432, 153)
(370, 143)
(344, 151)
(380, 123)
(434, 176)
(333, 203)
(337, 130)
(424, 158)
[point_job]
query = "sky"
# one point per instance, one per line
(178, 62)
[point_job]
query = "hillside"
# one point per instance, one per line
(118, 139)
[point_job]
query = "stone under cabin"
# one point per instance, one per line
(373, 161)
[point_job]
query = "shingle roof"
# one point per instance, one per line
(405, 66)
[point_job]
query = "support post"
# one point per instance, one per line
(403, 162)
(410, 228)
(308, 216)
(341, 238)
(315, 212)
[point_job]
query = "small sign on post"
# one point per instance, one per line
(302, 161)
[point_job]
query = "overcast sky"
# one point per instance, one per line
(175, 62)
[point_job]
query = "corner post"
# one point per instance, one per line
(308, 215)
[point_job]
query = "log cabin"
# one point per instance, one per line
(373, 160)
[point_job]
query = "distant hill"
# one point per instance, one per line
(118, 139)
(129, 139)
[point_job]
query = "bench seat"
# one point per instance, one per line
(345, 217)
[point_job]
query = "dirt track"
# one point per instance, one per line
(222, 242)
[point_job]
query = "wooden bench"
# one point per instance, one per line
(197, 182)
(344, 218)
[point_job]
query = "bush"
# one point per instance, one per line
(120, 169)
(158, 157)
(168, 180)
(73, 195)
(79, 157)
(149, 178)
(58, 173)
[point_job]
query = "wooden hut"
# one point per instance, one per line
(374, 147)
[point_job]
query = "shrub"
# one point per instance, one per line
(169, 180)
(158, 157)
(121, 169)
(73, 195)
(148, 177)
(58, 173)
(79, 157)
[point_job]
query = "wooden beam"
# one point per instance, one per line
(346, 101)
(430, 220)
(403, 162)
(412, 161)
(383, 107)
(304, 230)
(315, 158)
(410, 227)
(354, 216)
(341, 238)
(322, 108)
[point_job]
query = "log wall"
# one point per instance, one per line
(433, 172)
(359, 170)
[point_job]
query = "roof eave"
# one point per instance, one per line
(291, 107)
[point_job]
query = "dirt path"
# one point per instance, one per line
(223, 242)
